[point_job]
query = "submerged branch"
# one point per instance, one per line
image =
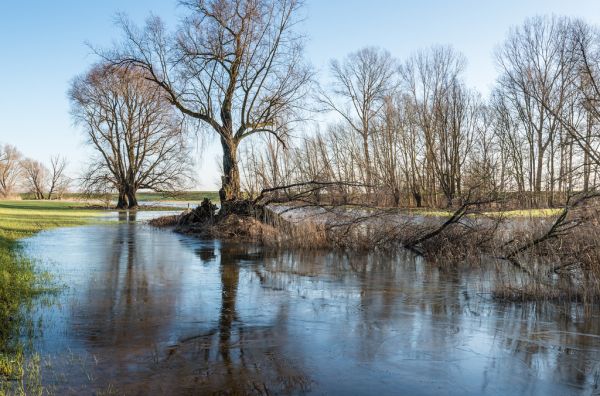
(560, 227)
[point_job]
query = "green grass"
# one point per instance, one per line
(45, 205)
(20, 280)
(184, 196)
(151, 196)
(20, 219)
(529, 213)
(428, 212)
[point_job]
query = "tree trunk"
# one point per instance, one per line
(418, 198)
(230, 181)
(367, 163)
(396, 197)
(122, 201)
(538, 174)
(131, 198)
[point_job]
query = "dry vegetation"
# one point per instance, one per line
(548, 255)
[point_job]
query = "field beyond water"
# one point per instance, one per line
(185, 196)
(20, 219)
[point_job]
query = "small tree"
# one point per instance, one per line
(58, 182)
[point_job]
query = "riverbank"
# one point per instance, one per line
(346, 227)
(20, 281)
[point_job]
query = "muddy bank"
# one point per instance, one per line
(265, 227)
(232, 228)
(346, 228)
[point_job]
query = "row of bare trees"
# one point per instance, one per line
(414, 134)
(405, 133)
(18, 173)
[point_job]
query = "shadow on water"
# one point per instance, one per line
(148, 311)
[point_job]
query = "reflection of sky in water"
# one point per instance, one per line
(156, 309)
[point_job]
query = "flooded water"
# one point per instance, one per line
(147, 311)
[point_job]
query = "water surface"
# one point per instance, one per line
(147, 311)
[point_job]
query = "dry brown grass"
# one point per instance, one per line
(165, 221)
(564, 267)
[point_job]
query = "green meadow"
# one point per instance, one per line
(185, 196)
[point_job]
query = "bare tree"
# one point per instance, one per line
(58, 182)
(36, 176)
(532, 62)
(138, 136)
(581, 71)
(234, 65)
(387, 143)
(443, 113)
(10, 169)
(362, 81)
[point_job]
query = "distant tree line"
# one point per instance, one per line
(21, 174)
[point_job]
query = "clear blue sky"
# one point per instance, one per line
(42, 47)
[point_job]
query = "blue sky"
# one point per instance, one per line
(42, 47)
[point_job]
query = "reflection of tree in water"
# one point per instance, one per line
(131, 299)
(400, 307)
(235, 357)
(554, 339)
(373, 301)
(395, 311)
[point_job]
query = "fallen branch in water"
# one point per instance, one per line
(306, 189)
(560, 227)
(455, 219)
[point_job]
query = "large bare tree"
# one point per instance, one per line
(236, 66)
(580, 69)
(136, 133)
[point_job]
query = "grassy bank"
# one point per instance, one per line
(518, 213)
(433, 212)
(185, 196)
(20, 281)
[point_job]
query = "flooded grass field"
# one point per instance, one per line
(148, 311)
